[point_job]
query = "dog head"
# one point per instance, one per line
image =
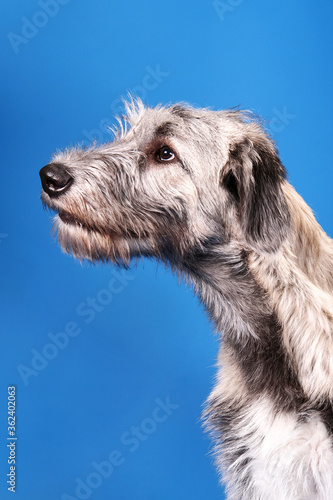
(173, 180)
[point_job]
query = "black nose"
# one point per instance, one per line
(55, 179)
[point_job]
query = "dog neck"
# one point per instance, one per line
(248, 325)
(226, 287)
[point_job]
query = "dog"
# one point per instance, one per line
(205, 192)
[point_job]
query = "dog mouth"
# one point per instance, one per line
(68, 218)
(71, 221)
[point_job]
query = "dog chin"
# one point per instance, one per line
(91, 245)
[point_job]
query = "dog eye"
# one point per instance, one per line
(165, 154)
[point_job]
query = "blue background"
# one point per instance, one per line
(59, 86)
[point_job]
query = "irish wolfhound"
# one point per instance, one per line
(205, 191)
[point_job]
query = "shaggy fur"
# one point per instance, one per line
(205, 192)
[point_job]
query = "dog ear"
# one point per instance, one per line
(254, 180)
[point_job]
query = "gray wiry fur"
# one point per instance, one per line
(222, 214)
